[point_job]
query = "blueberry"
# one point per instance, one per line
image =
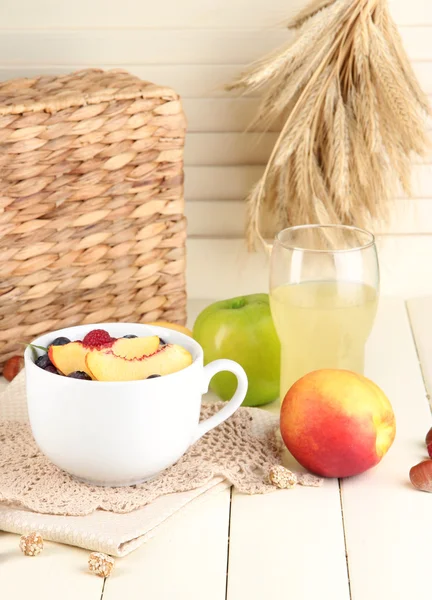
(51, 369)
(162, 342)
(153, 376)
(129, 337)
(43, 361)
(60, 341)
(79, 375)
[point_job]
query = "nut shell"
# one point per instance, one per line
(31, 544)
(100, 564)
(421, 476)
(429, 441)
(12, 367)
(282, 478)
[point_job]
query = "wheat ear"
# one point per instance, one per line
(353, 117)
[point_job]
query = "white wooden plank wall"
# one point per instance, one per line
(196, 46)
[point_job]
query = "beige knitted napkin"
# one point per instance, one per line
(118, 533)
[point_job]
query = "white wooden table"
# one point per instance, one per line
(368, 538)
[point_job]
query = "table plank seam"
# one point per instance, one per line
(228, 543)
(425, 385)
(103, 588)
(340, 483)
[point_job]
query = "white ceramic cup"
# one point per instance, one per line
(122, 433)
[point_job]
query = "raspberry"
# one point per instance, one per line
(97, 338)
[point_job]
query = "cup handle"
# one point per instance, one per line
(242, 385)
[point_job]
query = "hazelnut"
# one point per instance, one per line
(100, 564)
(421, 476)
(12, 367)
(282, 478)
(31, 544)
(429, 442)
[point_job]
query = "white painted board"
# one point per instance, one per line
(227, 218)
(420, 314)
(173, 14)
(222, 268)
(59, 572)
(244, 148)
(190, 81)
(139, 46)
(235, 182)
(388, 524)
(289, 544)
(186, 560)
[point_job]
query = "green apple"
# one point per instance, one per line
(242, 329)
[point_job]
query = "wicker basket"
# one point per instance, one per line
(91, 199)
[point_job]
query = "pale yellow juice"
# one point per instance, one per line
(322, 325)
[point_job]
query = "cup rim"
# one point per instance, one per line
(351, 228)
(188, 341)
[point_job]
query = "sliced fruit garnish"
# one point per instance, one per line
(135, 347)
(72, 356)
(69, 358)
(104, 365)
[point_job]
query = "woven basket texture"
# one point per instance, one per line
(91, 204)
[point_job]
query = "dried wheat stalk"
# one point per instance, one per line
(354, 115)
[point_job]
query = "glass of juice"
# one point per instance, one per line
(324, 288)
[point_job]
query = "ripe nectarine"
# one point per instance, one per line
(337, 423)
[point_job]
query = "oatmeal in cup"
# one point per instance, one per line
(120, 408)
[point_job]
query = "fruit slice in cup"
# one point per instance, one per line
(69, 358)
(135, 347)
(105, 365)
(72, 357)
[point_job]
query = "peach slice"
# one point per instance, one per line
(104, 365)
(72, 357)
(135, 347)
(69, 358)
